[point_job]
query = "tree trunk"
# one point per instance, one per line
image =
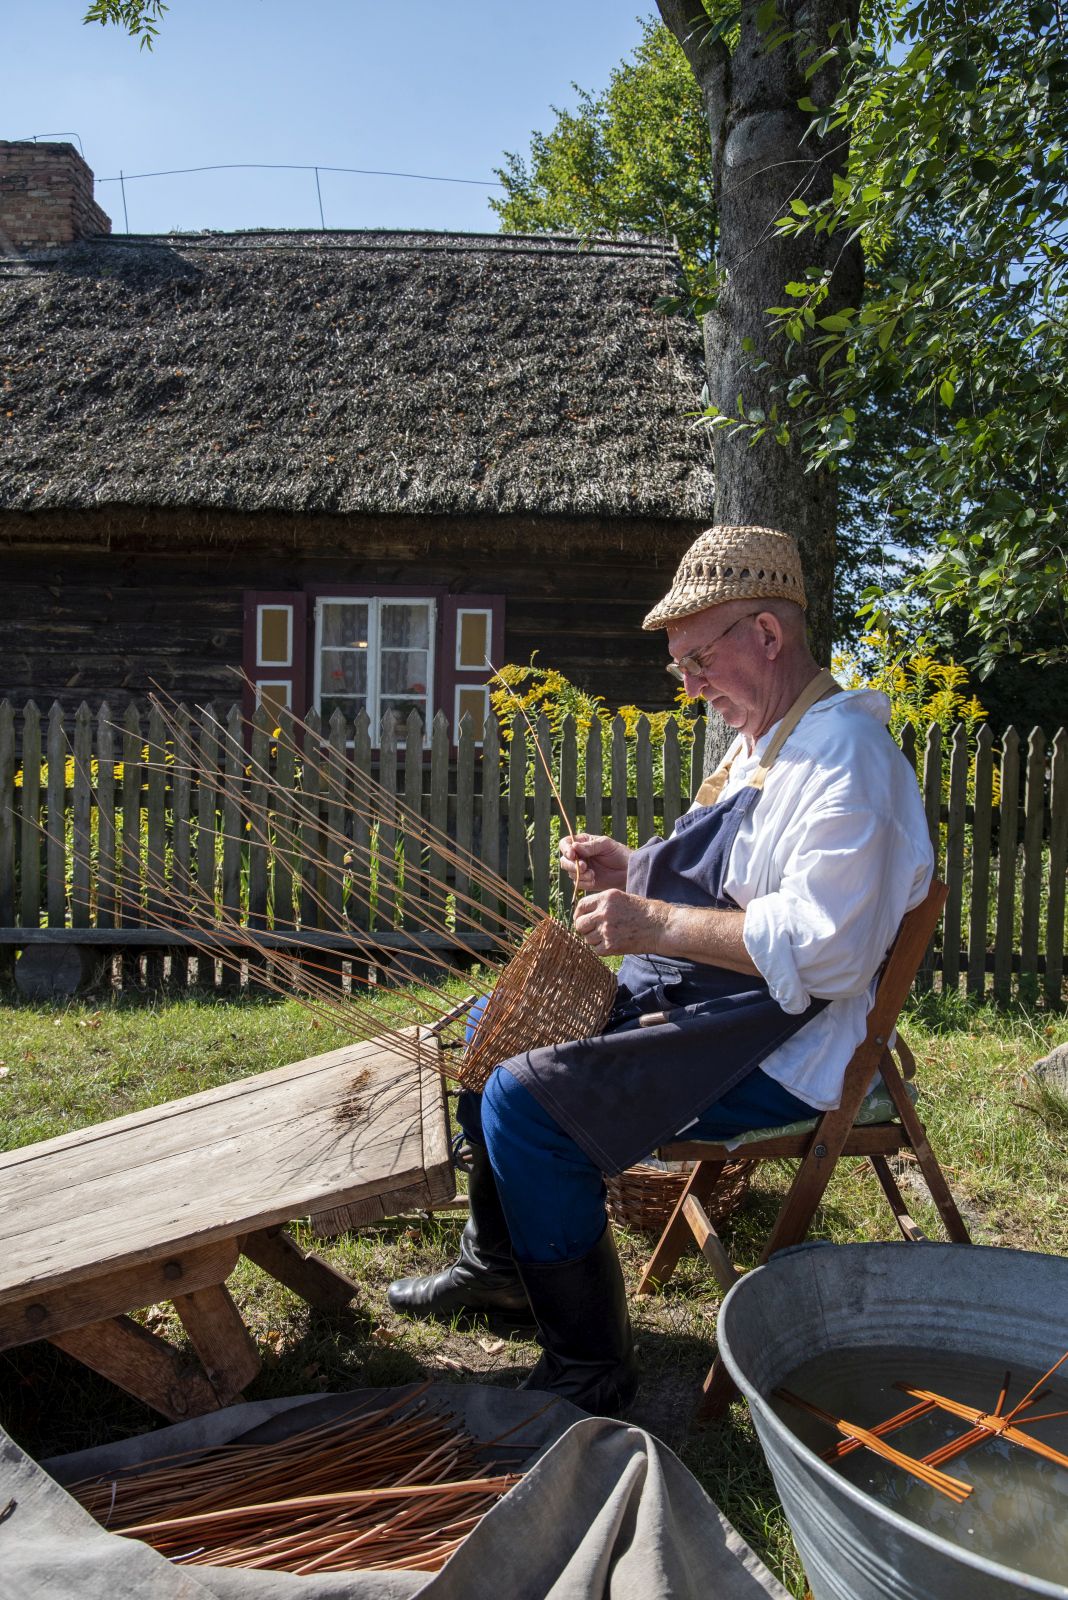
(758, 165)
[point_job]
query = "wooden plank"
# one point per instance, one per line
(307, 1274)
(1008, 827)
(7, 821)
(517, 807)
(226, 1349)
(568, 784)
(490, 819)
(979, 910)
(156, 866)
(143, 1365)
(292, 941)
(932, 805)
(1058, 868)
(672, 777)
(229, 1161)
(643, 762)
(594, 818)
(954, 874)
(40, 1315)
(697, 756)
(181, 808)
(81, 886)
(465, 820)
(414, 875)
(1034, 820)
(438, 817)
(56, 835)
(32, 844)
(386, 901)
(619, 779)
(543, 808)
(360, 875)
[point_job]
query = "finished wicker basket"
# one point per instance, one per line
(643, 1197)
(553, 989)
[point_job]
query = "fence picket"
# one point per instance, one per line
(932, 805)
(1008, 826)
(490, 819)
(81, 820)
(643, 780)
(568, 783)
(7, 818)
(156, 838)
(130, 880)
(594, 803)
(285, 853)
(619, 780)
(56, 802)
(181, 815)
(32, 843)
(207, 800)
(672, 777)
(438, 816)
(332, 911)
(1058, 867)
(386, 906)
(464, 832)
(415, 880)
(1034, 821)
(540, 832)
(517, 811)
(979, 909)
(697, 756)
(106, 891)
(958, 801)
(360, 874)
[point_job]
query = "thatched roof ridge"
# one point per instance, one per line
(351, 372)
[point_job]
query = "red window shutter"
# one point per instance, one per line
(472, 630)
(275, 649)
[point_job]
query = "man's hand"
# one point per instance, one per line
(617, 924)
(593, 862)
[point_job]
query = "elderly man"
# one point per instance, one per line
(751, 937)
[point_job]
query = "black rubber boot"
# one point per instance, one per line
(484, 1280)
(584, 1330)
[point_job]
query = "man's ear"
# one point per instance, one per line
(771, 630)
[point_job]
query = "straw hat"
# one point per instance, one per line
(732, 564)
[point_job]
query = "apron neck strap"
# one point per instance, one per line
(822, 685)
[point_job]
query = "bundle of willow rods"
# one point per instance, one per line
(553, 989)
(400, 1485)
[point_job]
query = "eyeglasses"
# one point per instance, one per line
(693, 665)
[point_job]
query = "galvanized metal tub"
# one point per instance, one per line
(814, 1299)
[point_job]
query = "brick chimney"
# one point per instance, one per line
(46, 197)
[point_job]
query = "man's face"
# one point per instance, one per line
(721, 654)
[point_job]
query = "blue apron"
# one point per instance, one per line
(622, 1093)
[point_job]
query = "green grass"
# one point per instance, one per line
(1002, 1143)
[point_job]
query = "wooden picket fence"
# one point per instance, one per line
(135, 825)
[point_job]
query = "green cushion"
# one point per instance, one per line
(876, 1107)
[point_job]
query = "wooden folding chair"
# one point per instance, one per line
(835, 1133)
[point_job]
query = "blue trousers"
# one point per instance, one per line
(552, 1194)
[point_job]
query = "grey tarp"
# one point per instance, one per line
(605, 1510)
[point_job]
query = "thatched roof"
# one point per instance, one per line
(350, 372)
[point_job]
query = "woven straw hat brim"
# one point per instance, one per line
(732, 563)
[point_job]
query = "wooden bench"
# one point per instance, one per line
(159, 1204)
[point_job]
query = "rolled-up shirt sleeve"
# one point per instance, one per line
(847, 879)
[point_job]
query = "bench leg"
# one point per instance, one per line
(307, 1274)
(677, 1233)
(143, 1364)
(220, 1338)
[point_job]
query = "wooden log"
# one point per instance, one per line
(306, 1273)
(979, 909)
(56, 820)
(31, 843)
(1058, 868)
(143, 1364)
(226, 1349)
(1008, 829)
(954, 874)
(543, 810)
(643, 762)
(44, 1313)
(1034, 828)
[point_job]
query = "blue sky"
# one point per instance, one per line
(416, 87)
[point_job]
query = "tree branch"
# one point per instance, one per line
(709, 61)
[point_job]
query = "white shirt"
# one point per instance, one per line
(832, 855)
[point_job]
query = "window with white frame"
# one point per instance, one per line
(374, 654)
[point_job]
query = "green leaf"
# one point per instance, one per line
(946, 392)
(799, 208)
(962, 73)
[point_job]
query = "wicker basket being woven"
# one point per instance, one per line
(644, 1197)
(553, 989)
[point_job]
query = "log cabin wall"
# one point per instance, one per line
(99, 604)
